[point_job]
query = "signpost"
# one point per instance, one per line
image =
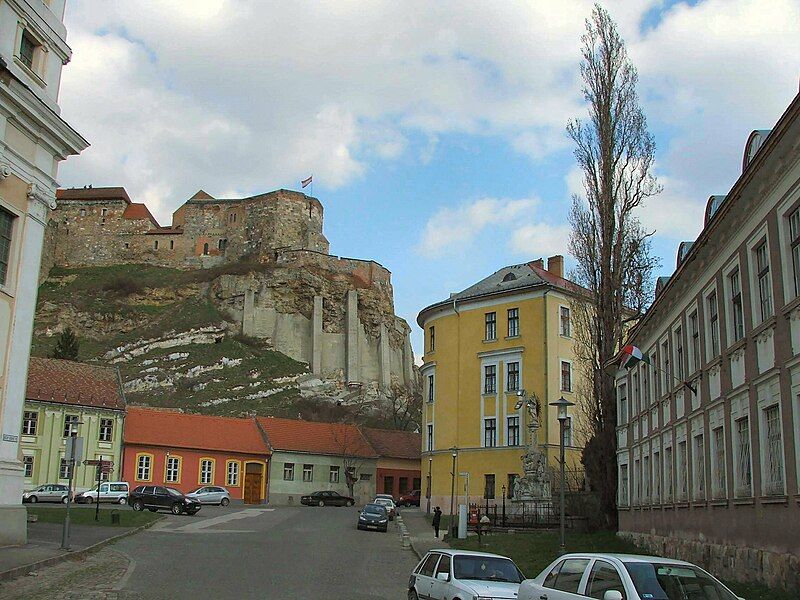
(103, 467)
(73, 454)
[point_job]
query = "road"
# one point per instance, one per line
(267, 553)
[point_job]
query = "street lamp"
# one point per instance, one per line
(428, 495)
(73, 448)
(454, 451)
(563, 406)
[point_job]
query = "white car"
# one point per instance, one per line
(388, 504)
(110, 491)
(462, 575)
(622, 577)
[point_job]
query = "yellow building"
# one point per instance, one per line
(509, 332)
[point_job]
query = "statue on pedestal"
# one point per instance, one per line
(534, 485)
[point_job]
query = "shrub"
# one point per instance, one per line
(123, 285)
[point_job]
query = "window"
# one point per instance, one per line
(764, 282)
(206, 471)
(172, 244)
(27, 49)
(637, 481)
(155, 244)
(565, 326)
(70, 425)
(635, 403)
(512, 435)
(550, 580)
(334, 475)
(488, 487)
(718, 439)
(63, 469)
(512, 377)
(602, 578)
(512, 481)
(429, 564)
(567, 433)
(144, 463)
(27, 463)
(513, 322)
(364, 476)
(679, 353)
(489, 379)
(699, 468)
(103, 212)
(430, 388)
(682, 475)
(646, 384)
(444, 565)
(288, 471)
(106, 430)
(490, 432)
(713, 324)
(666, 374)
(222, 244)
(794, 234)
(570, 575)
(172, 470)
(668, 474)
(431, 339)
(743, 471)
(232, 473)
(623, 485)
(83, 212)
(205, 248)
(491, 326)
(30, 420)
(6, 229)
(646, 475)
(127, 245)
(656, 477)
(566, 376)
(773, 484)
(430, 436)
(736, 305)
(308, 473)
(694, 331)
(622, 401)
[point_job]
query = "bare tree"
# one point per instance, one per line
(350, 445)
(406, 408)
(615, 151)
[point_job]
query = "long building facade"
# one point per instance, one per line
(510, 333)
(33, 140)
(708, 444)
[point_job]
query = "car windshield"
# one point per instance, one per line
(486, 568)
(675, 582)
(383, 501)
(174, 492)
(374, 509)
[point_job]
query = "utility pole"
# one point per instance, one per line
(452, 487)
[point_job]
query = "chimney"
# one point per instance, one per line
(538, 263)
(555, 265)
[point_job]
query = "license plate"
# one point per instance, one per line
(372, 526)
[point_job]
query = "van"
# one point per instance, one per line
(110, 491)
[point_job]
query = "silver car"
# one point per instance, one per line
(449, 574)
(211, 494)
(49, 492)
(618, 576)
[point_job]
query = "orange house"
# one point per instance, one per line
(186, 451)
(398, 470)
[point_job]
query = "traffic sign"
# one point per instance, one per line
(99, 463)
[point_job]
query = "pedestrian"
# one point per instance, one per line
(437, 520)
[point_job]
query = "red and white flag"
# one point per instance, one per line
(306, 182)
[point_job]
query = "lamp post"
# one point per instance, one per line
(454, 451)
(428, 495)
(563, 406)
(73, 453)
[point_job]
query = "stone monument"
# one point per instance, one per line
(534, 485)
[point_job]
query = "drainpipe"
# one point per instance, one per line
(546, 367)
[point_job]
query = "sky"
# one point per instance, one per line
(435, 132)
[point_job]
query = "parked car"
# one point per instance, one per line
(389, 504)
(373, 516)
(110, 491)
(623, 576)
(49, 492)
(410, 498)
(211, 494)
(155, 497)
(446, 574)
(389, 496)
(326, 498)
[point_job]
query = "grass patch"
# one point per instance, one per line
(85, 516)
(534, 551)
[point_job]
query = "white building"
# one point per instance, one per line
(33, 139)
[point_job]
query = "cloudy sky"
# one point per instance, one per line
(435, 131)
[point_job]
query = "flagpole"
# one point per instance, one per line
(683, 382)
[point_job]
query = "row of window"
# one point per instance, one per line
(512, 437)
(666, 475)
(29, 463)
(30, 426)
(172, 470)
(490, 326)
(308, 473)
(512, 378)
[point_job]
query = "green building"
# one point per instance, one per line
(67, 398)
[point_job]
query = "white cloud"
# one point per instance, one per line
(452, 229)
(540, 239)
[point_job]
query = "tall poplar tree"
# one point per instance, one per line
(615, 151)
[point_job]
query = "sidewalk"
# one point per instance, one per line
(421, 532)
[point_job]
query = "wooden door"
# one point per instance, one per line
(252, 488)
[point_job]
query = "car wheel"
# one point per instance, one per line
(350, 503)
(33, 499)
(138, 505)
(321, 503)
(224, 502)
(176, 509)
(412, 595)
(122, 500)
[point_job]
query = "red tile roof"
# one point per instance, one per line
(71, 382)
(94, 193)
(394, 444)
(315, 438)
(137, 210)
(158, 427)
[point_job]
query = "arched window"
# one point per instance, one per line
(223, 243)
(509, 277)
(205, 248)
(155, 244)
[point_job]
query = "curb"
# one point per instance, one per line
(53, 560)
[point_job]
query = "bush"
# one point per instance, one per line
(123, 285)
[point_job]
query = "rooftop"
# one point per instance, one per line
(393, 443)
(93, 193)
(74, 383)
(310, 437)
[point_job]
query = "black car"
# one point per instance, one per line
(326, 498)
(154, 497)
(373, 516)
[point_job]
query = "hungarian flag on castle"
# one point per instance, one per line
(632, 355)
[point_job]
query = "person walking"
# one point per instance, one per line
(437, 520)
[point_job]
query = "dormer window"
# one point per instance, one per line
(509, 277)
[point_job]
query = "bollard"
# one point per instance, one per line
(115, 517)
(406, 541)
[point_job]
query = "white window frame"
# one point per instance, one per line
(308, 473)
(622, 403)
(759, 240)
(30, 425)
(769, 399)
(206, 471)
(288, 469)
(486, 430)
(333, 474)
(712, 325)
(106, 432)
(172, 469)
(740, 409)
(562, 362)
(517, 438)
(232, 473)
